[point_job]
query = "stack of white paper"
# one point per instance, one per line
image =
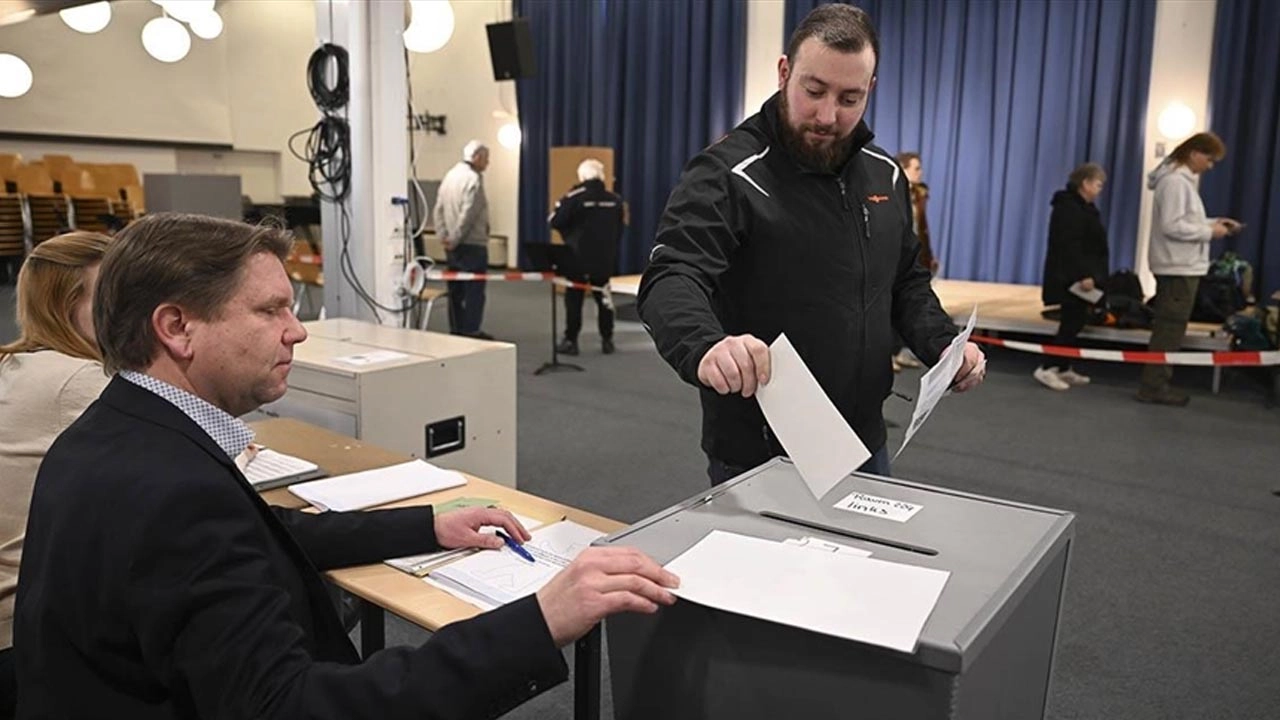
(834, 593)
(491, 578)
(361, 490)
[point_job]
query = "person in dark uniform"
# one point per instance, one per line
(590, 218)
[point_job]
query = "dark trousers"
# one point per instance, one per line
(1175, 298)
(573, 298)
(1075, 315)
(466, 297)
(8, 683)
(720, 472)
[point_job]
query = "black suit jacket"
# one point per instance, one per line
(155, 583)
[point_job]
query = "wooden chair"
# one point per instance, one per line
(305, 268)
(87, 211)
(34, 178)
(50, 214)
(9, 164)
(13, 227)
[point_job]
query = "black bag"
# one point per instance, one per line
(1218, 298)
(1124, 300)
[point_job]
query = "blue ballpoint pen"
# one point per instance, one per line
(515, 547)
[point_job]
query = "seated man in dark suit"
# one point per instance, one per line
(156, 583)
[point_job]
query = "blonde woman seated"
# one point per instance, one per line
(48, 376)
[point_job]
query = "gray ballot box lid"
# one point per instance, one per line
(994, 549)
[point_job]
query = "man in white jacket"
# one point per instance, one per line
(1179, 253)
(462, 221)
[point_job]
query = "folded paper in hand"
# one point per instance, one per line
(361, 490)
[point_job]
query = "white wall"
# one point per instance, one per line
(245, 89)
(766, 20)
(457, 81)
(1181, 56)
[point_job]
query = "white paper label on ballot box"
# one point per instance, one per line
(896, 510)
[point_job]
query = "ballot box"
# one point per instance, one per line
(985, 652)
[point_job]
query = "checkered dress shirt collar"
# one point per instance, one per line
(230, 433)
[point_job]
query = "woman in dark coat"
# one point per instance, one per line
(1077, 253)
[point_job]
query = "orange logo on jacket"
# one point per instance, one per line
(877, 198)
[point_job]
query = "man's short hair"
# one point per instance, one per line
(192, 261)
(471, 149)
(590, 169)
(840, 27)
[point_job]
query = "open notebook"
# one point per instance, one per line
(270, 469)
(491, 578)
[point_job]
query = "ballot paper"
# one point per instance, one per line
(361, 490)
(935, 383)
(420, 565)
(1089, 296)
(492, 578)
(834, 593)
(821, 444)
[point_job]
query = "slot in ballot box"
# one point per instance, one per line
(985, 653)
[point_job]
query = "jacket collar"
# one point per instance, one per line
(770, 120)
(146, 405)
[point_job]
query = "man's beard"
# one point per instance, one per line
(826, 158)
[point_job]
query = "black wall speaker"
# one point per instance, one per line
(511, 50)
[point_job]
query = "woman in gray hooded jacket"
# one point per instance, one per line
(1179, 253)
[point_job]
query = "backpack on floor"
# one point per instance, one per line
(1123, 300)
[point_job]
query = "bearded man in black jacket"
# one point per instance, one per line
(794, 222)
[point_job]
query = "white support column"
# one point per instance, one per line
(377, 114)
(1181, 53)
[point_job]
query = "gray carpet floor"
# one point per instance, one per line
(1173, 599)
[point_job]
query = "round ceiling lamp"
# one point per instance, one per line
(509, 136)
(1176, 121)
(15, 76)
(430, 26)
(87, 19)
(166, 39)
(187, 10)
(208, 26)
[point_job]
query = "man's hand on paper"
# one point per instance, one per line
(603, 581)
(972, 371)
(461, 528)
(736, 364)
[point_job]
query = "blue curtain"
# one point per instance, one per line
(1002, 100)
(1244, 102)
(656, 81)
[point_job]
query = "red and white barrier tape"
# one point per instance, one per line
(459, 276)
(1249, 358)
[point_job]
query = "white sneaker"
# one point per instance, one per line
(1048, 377)
(1071, 377)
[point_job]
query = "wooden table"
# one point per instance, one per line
(383, 588)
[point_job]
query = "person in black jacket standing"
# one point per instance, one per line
(156, 583)
(590, 218)
(1077, 253)
(794, 222)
